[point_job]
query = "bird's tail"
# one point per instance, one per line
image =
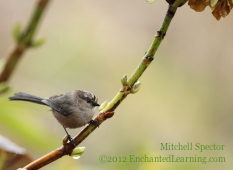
(27, 97)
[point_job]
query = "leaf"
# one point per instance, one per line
(136, 87)
(16, 32)
(11, 155)
(124, 80)
(150, 1)
(77, 152)
(38, 42)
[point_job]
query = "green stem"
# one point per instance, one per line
(25, 40)
(107, 112)
(146, 60)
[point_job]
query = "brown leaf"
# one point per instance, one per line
(222, 9)
(197, 5)
(12, 156)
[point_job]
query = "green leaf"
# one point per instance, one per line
(16, 32)
(136, 87)
(150, 1)
(38, 42)
(124, 80)
(77, 152)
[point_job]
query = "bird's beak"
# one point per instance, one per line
(95, 104)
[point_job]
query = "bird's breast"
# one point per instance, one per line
(74, 120)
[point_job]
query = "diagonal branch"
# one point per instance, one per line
(129, 86)
(24, 41)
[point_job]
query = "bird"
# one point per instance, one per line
(73, 109)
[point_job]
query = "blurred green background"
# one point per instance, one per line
(186, 93)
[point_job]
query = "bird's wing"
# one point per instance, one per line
(60, 103)
(54, 105)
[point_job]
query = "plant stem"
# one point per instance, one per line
(107, 112)
(146, 60)
(24, 41)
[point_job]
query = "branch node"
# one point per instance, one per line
(147, 60)
(170, 13)
(108, 115)
(103, 116)
(150, 58)
(160, 34)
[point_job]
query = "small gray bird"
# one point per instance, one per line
(72, 109)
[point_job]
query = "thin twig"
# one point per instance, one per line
(107, 112)
(24, 41)
(67, 148)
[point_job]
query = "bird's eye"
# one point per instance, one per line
(89, 101)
